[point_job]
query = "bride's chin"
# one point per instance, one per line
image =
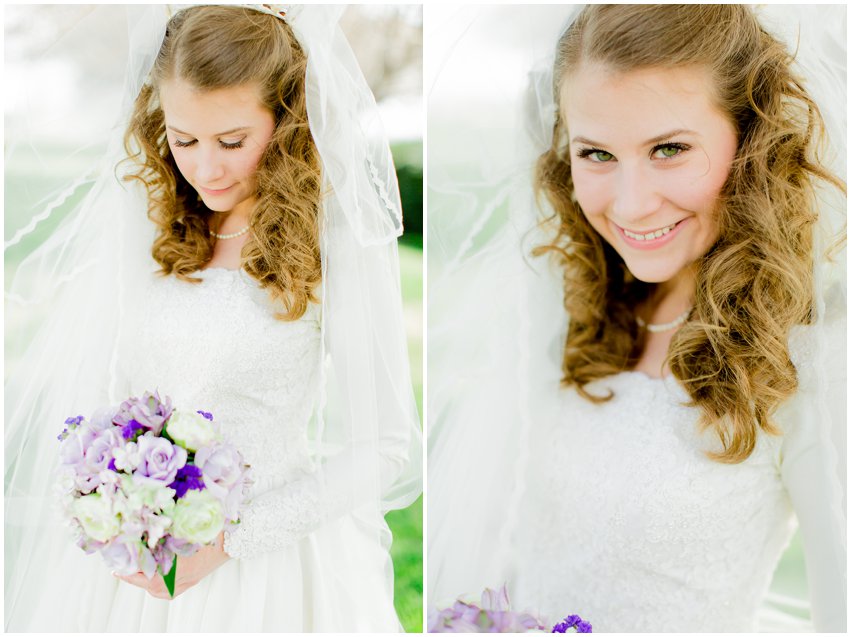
(649, 273)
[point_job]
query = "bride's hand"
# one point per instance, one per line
(190, 571)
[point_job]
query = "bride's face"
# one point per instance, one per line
(217, 138)
(650, 153)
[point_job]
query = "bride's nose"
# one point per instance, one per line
(210, 166)
(636, 195)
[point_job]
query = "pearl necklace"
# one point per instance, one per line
(233, 235)
(663, 327)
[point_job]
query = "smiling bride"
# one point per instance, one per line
(649, 407)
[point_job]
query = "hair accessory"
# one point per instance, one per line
(663, 327)
(277, 10)
(232, 235)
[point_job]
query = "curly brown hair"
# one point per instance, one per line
(756, 282)
(213, 47)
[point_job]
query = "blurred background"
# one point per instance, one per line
(68, 54)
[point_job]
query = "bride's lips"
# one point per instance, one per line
(651, 244)
(212, 191)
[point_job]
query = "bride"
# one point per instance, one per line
(652, 403)
(242, 260)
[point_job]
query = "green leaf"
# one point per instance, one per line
(169, 577)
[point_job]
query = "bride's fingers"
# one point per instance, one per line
(137, 579)
(154, 586)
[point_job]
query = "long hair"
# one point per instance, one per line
(756, 282)
(213, 47)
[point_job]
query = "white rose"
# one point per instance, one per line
(198, 517)
(95, 514)
(139, 493)
(190, 430)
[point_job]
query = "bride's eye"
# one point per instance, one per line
(181, 144)
(595, 155)
(231, 145)
(668, 151)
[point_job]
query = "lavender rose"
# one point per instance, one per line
(223, 475)
(494, 616)
(150, 412)
(101, 450)
(128, 556)
(72, 448)
(159, 459)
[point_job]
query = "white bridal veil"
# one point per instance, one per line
(77, 288)
(496, 322)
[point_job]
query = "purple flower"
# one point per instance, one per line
(100, 451)
(72, 423)
(188, 477)
(131, 430)
(73, 447)
(223, 475)
(572, 621)
(149, 411)
(170, 547)
(206, 415)
(160, 460)
(495, 616)
(128, 556)
(87, 452)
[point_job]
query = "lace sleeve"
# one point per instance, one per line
(276, 519)
(813, 464)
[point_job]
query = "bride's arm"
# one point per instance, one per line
(814, 468)
(375, 414)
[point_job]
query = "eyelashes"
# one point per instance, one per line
(668, 150)
(224, 145)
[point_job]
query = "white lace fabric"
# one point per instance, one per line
(216, 346)
(636, 529)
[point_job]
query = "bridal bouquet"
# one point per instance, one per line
(147, 483)
(495, 616)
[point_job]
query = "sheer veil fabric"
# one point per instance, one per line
(496, 322)
(79, 286)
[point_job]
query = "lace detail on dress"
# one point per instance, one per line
(276, 519)
(217, 346)
(636, 529)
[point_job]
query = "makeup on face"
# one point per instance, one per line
(650, 154)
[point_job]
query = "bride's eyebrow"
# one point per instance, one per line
(655, 140)
(227, 132)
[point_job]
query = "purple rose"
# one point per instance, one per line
(224, 475)
(101, 450)
(128, 556)
(149, 411)
(87, 452)
(494, 616)
(159, 459)
(72, 448)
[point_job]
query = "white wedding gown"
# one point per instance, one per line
(637, 530)
(216, 346)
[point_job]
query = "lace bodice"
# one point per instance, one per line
(217, 346)
(636, 529)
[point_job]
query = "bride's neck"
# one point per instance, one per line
(671, 298)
